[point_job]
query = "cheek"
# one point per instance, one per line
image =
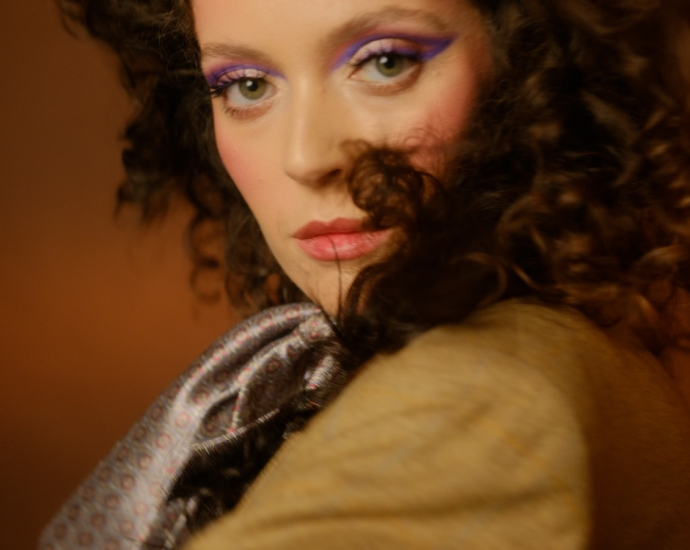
(445, 118)
(454, 106)
(237, 162)
(251, 165)
(444, 108)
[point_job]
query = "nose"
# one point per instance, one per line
(314, 152)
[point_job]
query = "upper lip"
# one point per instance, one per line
(338, 225)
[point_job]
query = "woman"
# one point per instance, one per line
(488, 199)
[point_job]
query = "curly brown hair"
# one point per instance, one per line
(571, 184)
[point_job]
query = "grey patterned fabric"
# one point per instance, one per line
(207, 420)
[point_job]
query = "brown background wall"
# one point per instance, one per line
(96, 315)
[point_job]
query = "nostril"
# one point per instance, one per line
(314, 154)
(319, 172)
(334, 176)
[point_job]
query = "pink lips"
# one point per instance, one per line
(340, 239)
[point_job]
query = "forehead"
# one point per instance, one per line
(277, 22)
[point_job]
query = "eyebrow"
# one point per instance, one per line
(220, 49)
(357, 26)
(365, 22)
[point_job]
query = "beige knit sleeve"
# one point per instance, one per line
(444, 445)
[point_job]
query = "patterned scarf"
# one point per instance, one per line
(209, 422)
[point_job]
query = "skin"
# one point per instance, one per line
(295, 80)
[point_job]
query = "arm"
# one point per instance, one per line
(443, 445)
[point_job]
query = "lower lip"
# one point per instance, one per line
(342, 246)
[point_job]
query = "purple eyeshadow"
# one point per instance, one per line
(434, 46)
(214, 76)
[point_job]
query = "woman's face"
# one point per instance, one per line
(294, 80)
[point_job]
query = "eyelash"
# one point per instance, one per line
(235, 112)
(223, 84)
(415, 57)
(368, 53)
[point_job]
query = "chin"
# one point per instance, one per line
(331, 291)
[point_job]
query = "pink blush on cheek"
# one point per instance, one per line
(456, 99)
(252, 168)
(443, 123)
(237, 163)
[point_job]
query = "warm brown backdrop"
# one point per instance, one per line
(96, 315)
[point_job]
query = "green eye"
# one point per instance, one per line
(390, 65)
(252, 89)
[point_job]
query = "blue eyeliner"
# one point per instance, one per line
(213, 78)
(434, 46)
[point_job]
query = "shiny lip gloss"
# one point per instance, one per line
(338, 240)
